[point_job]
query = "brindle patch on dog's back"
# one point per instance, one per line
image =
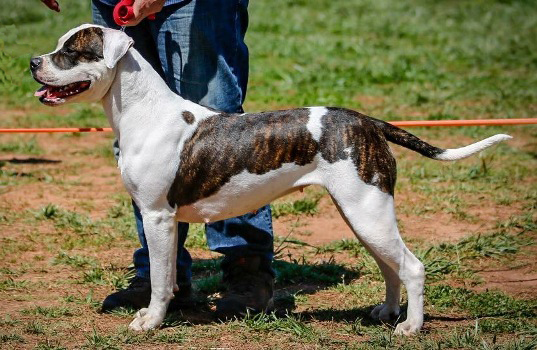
(347, 133)
(224, 145)
(86, 45)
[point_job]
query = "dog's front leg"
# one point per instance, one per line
(161, 233)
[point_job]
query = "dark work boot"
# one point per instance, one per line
(138, 294)
(249, 287)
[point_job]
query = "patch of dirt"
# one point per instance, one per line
(23, 111)
(324, 227)
(519, 279)
(443, 227)
(85, 181)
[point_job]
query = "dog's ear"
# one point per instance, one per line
(115, 45)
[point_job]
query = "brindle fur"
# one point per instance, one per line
(85, 45)
(347, 133)
(224, 145)
(188, 117)
(404, 138)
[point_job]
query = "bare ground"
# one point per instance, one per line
(72, 175)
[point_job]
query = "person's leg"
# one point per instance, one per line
(138, 294)
(204, 58)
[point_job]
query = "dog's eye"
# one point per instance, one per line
(89, 55)
(70, 52)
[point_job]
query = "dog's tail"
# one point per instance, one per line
(407, 140)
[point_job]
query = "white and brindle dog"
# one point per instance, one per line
(182, 161)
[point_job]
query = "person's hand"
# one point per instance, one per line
(144, 8)
(52, 4)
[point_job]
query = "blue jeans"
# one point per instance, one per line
(198, 48)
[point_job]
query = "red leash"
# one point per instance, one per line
(123, 12)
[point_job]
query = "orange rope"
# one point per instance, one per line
(43, 130)
(408, 123)
(470, 122)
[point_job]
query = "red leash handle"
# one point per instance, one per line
(123, 12)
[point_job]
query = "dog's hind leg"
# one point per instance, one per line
(371, 215)
(161, 233)
(390, 308)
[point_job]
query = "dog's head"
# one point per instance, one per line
(82, 67)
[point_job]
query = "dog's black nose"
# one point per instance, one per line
(35, 63)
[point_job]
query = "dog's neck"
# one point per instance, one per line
(136, 84)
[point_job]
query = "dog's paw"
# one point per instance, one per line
(407, 328)
(145, 320)
(385, 312)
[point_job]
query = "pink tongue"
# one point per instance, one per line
(41, 91)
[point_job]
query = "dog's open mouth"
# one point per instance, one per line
(57, 94)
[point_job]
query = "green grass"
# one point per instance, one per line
(11, 338)
(76, 261)
(446, 258)
(11, 284)
(64, 219)
(98, 341)
(271, 323)
(117, 278)
(29, 146)
(483, 304)
(35, 327)
(48, 312)
(79, 230)
(502, 325)
(89, 299)
(302, 206)
(434, 57)
(301, 271)
(196, 237)
(49, 345)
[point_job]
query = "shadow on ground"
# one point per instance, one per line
(292, 278)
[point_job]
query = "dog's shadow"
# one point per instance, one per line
(293, 280)
(30, 160)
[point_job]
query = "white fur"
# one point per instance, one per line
(246, 192)
(315, 125)
(146, 118)
(467, 151)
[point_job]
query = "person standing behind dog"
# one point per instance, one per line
(198, 48)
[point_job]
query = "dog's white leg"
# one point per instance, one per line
(371, 215)
(412, 273)
(161, 233)
(174, 261)
(390, 308)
